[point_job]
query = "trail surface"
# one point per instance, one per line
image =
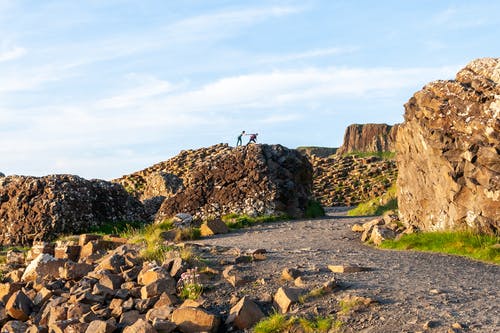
(416, 291)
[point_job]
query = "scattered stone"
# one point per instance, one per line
(285, 297)
(140, 326)
(357, 228)
(19, 306)
(430, 324)
(100, 326)
(44, 266)
(244, 314)
(290, 274)
(347, 268)
(14, 326)
(163, 326)
(213, 227)
(193, 320)
(380, 234)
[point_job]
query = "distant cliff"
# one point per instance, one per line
(317, 151)
(369, 138)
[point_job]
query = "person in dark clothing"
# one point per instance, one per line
(239, 142)
(253, 138)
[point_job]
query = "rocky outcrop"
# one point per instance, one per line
(41, 208)
(2, 175)
(448, 152)
(349, 180)
(369, 138)
(255, 180)
(317, 151)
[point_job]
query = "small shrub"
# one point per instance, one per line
(316, 325)
(314, 209)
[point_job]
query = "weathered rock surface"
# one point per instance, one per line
(317, 151)
(40, 208)
(349, 180)
(448, 152)
(218, 180)
(369, 138)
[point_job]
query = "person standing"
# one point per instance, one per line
(253, 138)
(239, 142)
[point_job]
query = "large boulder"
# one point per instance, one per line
(41, 208)
(369, 138)
(448, 152)
(255, 179)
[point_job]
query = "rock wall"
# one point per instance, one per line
(217, 180)
(369, 138)
(41, 208)
(448, 152)
(255, 179)
(350, 180)
(317, 151)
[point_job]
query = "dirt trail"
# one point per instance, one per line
(412, 288)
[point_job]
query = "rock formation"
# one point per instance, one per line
(317, 151)
(368, 138)
(255, 180)
(349, 180)
(2, 175)
(41, 208)
(448, 152)
(213, 181)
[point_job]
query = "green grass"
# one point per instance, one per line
(116, 227)
(278, 323)
(475, 246)
(238, 221)
(386, 155)
(314, 209)
(378, 205)
(275, 323)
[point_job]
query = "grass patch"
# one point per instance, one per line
(462, 243)
(238, 221)
(314, 209)
(377, 206)
(386, 155)
(277, 323)
(116, 228)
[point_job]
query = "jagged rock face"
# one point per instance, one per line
(448, 152)
(41, 208)
(255, 179)
(369, 138)
(349, 180)
(317, 151)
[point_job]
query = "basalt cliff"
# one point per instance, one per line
(449, 152)
(210, 182)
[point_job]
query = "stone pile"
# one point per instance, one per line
(369, 138)
(349, 180)
(41, 208)
(215, 181)
(101, 284)
(381, 228)
(449, 152)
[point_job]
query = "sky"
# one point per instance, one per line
(103, 88)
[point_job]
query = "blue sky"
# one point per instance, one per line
(102, 88)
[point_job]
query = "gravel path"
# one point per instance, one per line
(416, 291)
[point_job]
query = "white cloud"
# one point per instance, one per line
(316, 53)
(12, 53)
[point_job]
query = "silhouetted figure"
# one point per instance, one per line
(253, 138)
(239, 142)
